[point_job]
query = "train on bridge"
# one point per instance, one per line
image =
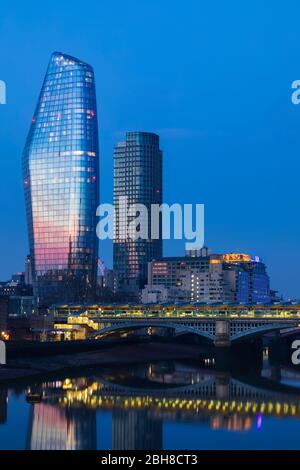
(218, 323)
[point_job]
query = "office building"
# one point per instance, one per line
(61, 177)
(206, 277)
(138, 178)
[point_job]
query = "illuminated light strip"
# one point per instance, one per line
(197, 405)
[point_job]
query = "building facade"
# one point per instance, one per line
(205, 277)
(16, 286)
(4, 299)
(154, 294)
(137, 180)
(21, 305)
(61, 173)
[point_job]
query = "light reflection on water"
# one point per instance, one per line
(165, 405)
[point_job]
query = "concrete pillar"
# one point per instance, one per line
(2, 353)
(222, 335)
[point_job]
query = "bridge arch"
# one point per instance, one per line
(177, 328)
(258, 331)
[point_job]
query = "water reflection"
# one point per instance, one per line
(136, 429)
(52, 427)
(141, 399)
(3, 406)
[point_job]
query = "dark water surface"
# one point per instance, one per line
(165, 405)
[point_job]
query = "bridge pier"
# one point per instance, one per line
(222, 334)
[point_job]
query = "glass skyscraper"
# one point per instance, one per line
(138, 178)
(61, 183)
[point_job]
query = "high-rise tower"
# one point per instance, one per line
(138, 178)
(61, 173)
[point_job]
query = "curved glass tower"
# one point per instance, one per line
(61, 173)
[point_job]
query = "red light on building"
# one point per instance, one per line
(90, 113)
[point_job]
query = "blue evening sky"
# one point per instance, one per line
(213, 79)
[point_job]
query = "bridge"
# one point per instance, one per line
(221, 325)
(221, 332)
(210, 394)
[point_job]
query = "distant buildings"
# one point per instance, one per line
(18, 278)
(107, 281)
(205, 277)
(155, 294)
(17, 305)
(137, 177)
(245, 280)
(15, 286)
(3, 313)
(20, 305)
(61, 173)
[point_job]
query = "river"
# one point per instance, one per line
(152, 406)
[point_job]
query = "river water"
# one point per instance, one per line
(164, 405)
